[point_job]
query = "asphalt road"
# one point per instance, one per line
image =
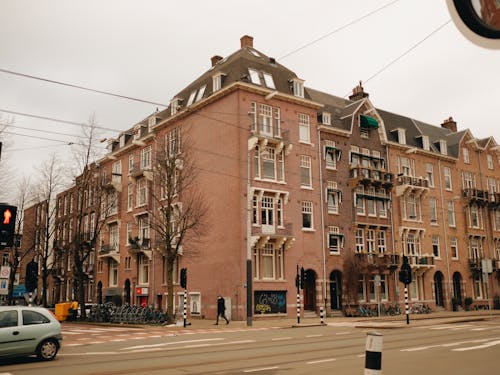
(458, 348)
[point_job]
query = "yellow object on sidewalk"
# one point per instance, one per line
(62, 310)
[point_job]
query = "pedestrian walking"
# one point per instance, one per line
(221, 310)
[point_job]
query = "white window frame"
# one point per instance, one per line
(489, 160)
(305, 171)
(451, 214)
(370, 241)
(447, 179)
(381, 241)
(436, 250)
(143, 270)
(268, 80)
(454, 248)
(113, 273)
(307, 211)
(254, 76)
(429, 169)
(465, 154)
(146, 157)
(304, 128)
(433, 214)
(360, 240)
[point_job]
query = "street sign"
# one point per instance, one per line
(4, 272)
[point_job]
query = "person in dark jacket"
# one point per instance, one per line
(221, 310)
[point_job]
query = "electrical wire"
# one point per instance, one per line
(24, 75)
(338, 29)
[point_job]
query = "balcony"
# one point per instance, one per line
(140, 245)
(109, 251)
(421, 263)
(370, 176)
(279, 235)
(138, 172)
(112, 182)
(380, 262)
(493, 201)
(479, 197)
(406, 184)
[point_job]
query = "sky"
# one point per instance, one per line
(410, 58)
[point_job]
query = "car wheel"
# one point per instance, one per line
(47, 350)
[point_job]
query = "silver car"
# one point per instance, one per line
(29, 330)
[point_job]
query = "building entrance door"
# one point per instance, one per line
(310, 291)
(438, 289)
(336, 290)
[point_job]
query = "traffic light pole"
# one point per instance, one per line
(185, 307)
(407, 307)
(298, 282)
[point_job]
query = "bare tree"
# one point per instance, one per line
(92, 201)
(351, 272)
(6, 171)
(16, 257)
(178, 210)
(49, 182)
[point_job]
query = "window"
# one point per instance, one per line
(429, 168)
(496, 219)
(304, 131)
(114, 237)
(129, 232)
(193, 94)
(371, 204)
(194, 303)
(412, 244)
(33, 317)
(173, 139)
(407, 167)
(8, 318)
(5, 259)
(381, 241)
(468, 180)
(268, 164)
(201, 92)
(130, 163)
(465, 154)
(143, 270)
(331, 155)
(333, 197)
(435, 246)
(113, 273)
(217, 82)
(128, 263)
(478, 289)
(144, 227)
(361, 288)
(360, 201)
(279, 212)
(433, 210)
(326, 118)
(130, 197)
(305, 171)
(451, 214)
(412, 207)
(454, 248)
(254, 76)
(334, 240)
(307, 211)
(267, 212)
(474, 216)
(382, 203)
(474, 249)
(370, 240)
(112, 202)
(269, 262)
(146, 158)
(268, 79)
(425, 142)
(360, 240)
(354, 156)
(255, 209)
(142, 189)
(489, 160)
(447, 178)
(298, 87)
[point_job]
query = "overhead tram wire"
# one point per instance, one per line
(69, 143)
(338, 29)
(42, 130)
(437, 29)
(56, 120)
(24, 75)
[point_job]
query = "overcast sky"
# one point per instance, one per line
(152, 49)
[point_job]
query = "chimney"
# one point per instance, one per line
(246, 41)
(358, 93)
(450, 124)
(215, 59)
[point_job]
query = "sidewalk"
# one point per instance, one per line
(399, 321)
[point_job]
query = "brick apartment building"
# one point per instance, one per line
(294, 177)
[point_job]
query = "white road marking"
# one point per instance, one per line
(310, 336)
(5, 373)
(281, 338)
(415, 349)
(452, 327)
(170, 343)
(486, 345)
(342, 333)
(321, 361)
(262, 369)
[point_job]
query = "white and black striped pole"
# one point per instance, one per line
(407, 307)
(373, 354)
(185, 307)
(321, 315)
(298, 282)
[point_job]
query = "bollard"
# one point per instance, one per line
(373, 355)
(298, 308)
(185, 307)
(321, 315)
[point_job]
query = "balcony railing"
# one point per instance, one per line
(367, 175)
(410, 183)
(139, 244)
(380, 261)
(106, 249)
(112, 182)
(476, 196)
(271, 132)
(421, 261)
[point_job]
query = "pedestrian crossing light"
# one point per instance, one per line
(184, 278)
(7, 225)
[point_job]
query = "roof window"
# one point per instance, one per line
(268, 79)
(254, 76)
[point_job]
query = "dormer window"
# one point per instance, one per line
(254, 76)
(175, 105)
(152, 121)
(402, 136)
(137, 132)
(217, 82)
(191, 97)
(465, 153)
(122, 140)
(201, 92)
(442, 147)
(326, 118)
(425, 143)
(298, 87)
(268, 79)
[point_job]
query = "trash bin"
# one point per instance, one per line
(62, 311)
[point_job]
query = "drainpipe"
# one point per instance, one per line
(387, 167)
(443, 213)
(485, 219)
(322, 219)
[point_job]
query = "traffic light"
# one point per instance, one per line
(7, 225)
(303, 277)
(31, 276)
(184, 278)
(405, 272)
